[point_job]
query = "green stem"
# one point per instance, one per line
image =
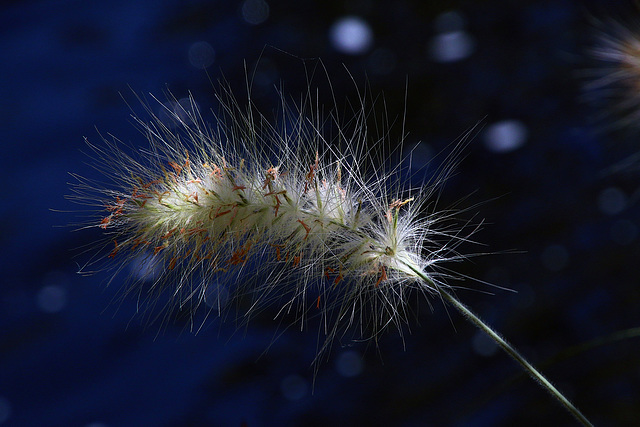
(533, 372)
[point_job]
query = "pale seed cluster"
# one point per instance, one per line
(287, 216)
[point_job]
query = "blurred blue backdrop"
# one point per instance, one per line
(73, 354)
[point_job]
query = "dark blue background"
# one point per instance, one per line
(85, 360)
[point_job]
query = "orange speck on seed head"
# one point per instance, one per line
(115, 250)
(105, 222)
(383, 275)
(306, 227)
(176, 167)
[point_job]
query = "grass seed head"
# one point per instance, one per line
(274, 212)
(616, 76)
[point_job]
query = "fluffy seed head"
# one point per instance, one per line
(617, 78)
(295, 212)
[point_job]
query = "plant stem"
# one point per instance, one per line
(533, 372)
